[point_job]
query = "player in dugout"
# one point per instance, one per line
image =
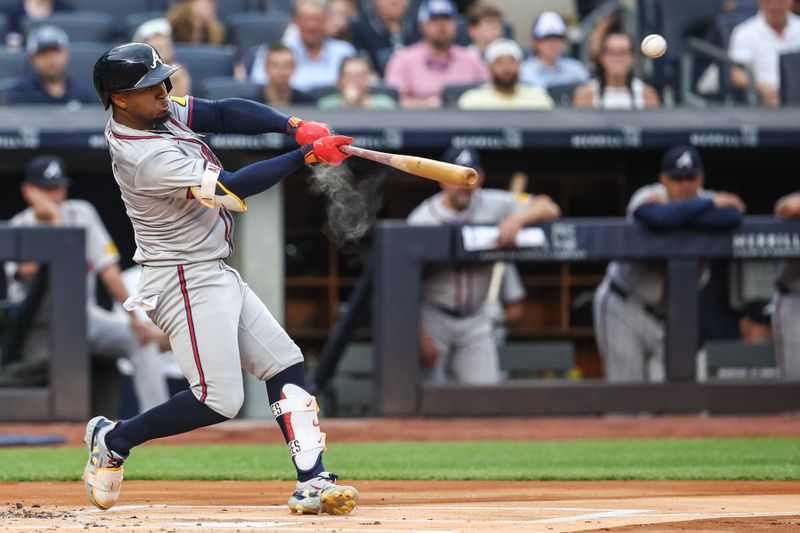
(178, 198)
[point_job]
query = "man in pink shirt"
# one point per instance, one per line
(421, 71)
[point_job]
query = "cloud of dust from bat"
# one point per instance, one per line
(353, 204)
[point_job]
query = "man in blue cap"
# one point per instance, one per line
(456, 335)
(629, 305)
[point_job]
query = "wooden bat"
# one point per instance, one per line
(419, 166)
(518, 184)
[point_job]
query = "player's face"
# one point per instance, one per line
(682, 188)
(57, 194)
(149, 104)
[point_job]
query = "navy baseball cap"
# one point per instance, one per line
(466, 157)
(436, 8)
(682, 161)
(45, 37)
(46, 171)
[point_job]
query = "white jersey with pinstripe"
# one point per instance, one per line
(215, 323)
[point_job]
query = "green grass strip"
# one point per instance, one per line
(751, 458)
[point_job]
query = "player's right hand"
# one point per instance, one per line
(326, 150)
(307, 131)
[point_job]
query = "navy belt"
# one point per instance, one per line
(622, 293)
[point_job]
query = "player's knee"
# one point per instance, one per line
(230, 404)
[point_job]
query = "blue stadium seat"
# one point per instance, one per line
(3, 25)
(790, 78)
(226, 8)
(5, 85)
(452, 93)
(12, 64)
(251, 29)
(82, 57)
(205, 61)
(279, 5)
(228, 87)
(80, 26)
(562, 94)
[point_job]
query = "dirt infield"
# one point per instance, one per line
(655, 506)
(413, 506)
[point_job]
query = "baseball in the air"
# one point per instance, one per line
(654, 46)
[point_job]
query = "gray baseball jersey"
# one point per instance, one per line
(216, 325)
(101, 251)
(642, 280)
(154, 171)
(463, 288)
(466, 343)
(786, 319)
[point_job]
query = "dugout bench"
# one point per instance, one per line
(66, 397)
(400, 251)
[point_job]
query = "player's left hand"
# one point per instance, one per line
(146, 332)
(326, 150)
(307, 131)
(508, 230)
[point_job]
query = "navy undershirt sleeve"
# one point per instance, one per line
(718, 218)
(260, 176)
(236, 115)
(673, 214)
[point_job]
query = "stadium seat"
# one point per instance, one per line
(227, 8)
(5, 85)
(279, 5)
(228, 87)
(80, 26)
(82, 57)
(735, 354)
(205, 61)
(132, 21)
(3, 25)
(531, 359)
(452, 93)
(562, 94)
(251, 29)
(790, 78)
(12, 64)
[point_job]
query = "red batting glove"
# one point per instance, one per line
(326, 150)
(306, 131)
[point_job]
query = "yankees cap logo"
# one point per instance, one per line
(464, 158)
(52, 171)
(685, 160)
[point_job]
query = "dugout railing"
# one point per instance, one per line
(400, 251)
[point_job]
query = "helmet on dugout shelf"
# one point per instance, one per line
(128, 67)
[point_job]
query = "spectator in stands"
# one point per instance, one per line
(615, 86)
(158, 34)
(317, 56)
(786, 314)
(629, 304)
(504, 91)
(195, 22)
(279, 67)
(48, 50)
(421, 71)
(456, 337)
(353, 85)
(383, 31)
(484, 25)
(45, 191)
(339, 16)
(18, 10)
(548, 66)
(758, 42)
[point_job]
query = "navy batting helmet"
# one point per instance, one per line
(128, 67)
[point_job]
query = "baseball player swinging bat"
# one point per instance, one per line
(419, 166)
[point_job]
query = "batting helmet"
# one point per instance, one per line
(128, 67)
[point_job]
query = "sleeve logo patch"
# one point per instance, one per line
(111, 249)
(180, 100)
(523, 197)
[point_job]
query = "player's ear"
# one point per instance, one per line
(119, 100)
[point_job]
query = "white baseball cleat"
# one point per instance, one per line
(321, 495)
(103, 473)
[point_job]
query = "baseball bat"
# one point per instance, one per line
(419, 166)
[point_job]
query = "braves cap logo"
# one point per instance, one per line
(52, 171)
(685, 160)
(156, 59)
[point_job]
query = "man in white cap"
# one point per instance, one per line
(548, 66)
(504, 91)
